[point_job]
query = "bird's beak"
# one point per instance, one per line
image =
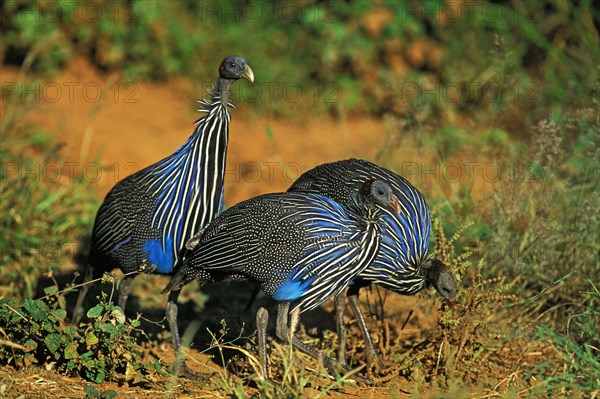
(248, 74)
(396, 204)
(451, 303)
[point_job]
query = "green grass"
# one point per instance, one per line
(45, 216)
(577, 350)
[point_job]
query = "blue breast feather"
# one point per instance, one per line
(290, 290)
(161, 258)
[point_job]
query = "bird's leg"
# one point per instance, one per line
(179, 366)
(281, 325)
(371, 353)
(171, 312)
(87, 277)
(253, 296)
(340, 305)
(125, 289)
(262, 321)
(294, 321)
(281, 329)
(285, 333)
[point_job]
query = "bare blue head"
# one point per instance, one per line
(441, 277)
(379, 192)
(234, 68)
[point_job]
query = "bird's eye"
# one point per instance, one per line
(232, 64)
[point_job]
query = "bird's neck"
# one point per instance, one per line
(188, 184)
(222, 92)
(371, 217)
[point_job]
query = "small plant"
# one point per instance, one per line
(91, 392)
(576, 369)
(101, 349)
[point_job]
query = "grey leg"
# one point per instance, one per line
(340, 306)
(125, 289)
(294, 321)
(179, 366)
(253, 296)
(172, 319)
(371, 353)
(285, 333)
(87, 277)
(281, 328)
(262, 321)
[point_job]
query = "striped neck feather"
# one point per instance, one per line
(188, 184)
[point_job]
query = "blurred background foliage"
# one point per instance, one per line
(514, 84)
(364, 53)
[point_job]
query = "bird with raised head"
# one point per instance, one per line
(146, 218)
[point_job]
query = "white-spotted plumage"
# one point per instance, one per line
(303, 248)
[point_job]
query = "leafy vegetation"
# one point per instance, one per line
(102, 349)
(392, 56)
(507, 100)
(45, 208)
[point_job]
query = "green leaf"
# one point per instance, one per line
(48, 326)
(71, 351)
(119, 316)
(30, 345)
(99, 378)
(129, 371)
(51, 290)
(94, 312)
(91, 392)
(60, 314)
(91, 339)
(109, 328)
(70, 332)
(37, 309)
(53, 342)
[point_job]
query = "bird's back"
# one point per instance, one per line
(296, 246)
(121, 225)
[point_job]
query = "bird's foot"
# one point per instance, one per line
(376, 366)
(180, 369)
(342, 368)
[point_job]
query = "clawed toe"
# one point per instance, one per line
(180, 369)
(342, 368)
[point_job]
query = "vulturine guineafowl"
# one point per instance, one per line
(402, 265)
(302, 249)
(146, 218)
